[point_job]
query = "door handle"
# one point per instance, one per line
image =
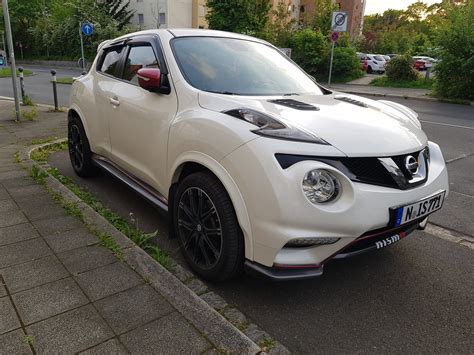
(114, 101)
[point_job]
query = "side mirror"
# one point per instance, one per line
(149, 79)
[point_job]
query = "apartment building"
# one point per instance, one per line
(356, 10)
(192, 13)
(150, 14)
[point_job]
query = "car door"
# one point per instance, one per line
(107, 75)
(141, 119)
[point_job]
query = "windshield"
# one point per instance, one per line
(239, 67)
(377, 57)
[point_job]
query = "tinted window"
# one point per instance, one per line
(138, 58)
(240, 67)
(111, 60)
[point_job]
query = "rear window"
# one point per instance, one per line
(110, 61)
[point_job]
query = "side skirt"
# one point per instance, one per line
(131, 181)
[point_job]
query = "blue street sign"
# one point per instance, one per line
(87, 28)
(2, 61)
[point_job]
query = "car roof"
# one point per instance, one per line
(191, 32)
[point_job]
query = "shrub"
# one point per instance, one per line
(310, 50)
(455, 72)
(401, 68)
(346, 64)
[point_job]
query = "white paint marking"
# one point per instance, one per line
(462, 156)
(446, 234)
(447, 124)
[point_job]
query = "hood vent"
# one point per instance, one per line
(297, 105)
(351, 101)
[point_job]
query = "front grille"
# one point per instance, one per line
(368, 170)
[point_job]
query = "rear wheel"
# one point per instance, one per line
(207, 228)
(79, 149)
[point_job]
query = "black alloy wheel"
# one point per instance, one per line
(79, 149)
(200, 228)
(207, 228)
(76, 148)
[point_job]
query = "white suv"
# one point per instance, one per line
(257, 164)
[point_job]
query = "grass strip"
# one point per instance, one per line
(142, 239)
(7, 72)
(416, 84)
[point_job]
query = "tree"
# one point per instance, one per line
(323, 15)
(242, 16)
(117, 10)
(281, 25)
(455, 72)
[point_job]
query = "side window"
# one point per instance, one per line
(139, 57)
(111, 60)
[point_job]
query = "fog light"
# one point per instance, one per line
(321, 186)
(309, 242)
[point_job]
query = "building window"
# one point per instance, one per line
(302, 8)
(141, 19)
(162, 18)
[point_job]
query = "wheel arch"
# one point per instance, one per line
(193, 162)
(75, 111)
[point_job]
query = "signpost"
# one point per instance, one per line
(86, 29)
(338, 24)
(8, 30)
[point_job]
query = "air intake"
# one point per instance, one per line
(351, 101)
(297, 105)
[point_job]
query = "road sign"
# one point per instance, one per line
(2, 61)
(87, 28)
(334, 36)
(339, 21)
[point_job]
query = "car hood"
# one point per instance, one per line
(355, 125)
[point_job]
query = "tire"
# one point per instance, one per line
(208, 232)
(369, 70)
(79, 149)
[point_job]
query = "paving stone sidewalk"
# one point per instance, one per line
(60, 290)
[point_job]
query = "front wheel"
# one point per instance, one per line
(369, 70)
(207, 228)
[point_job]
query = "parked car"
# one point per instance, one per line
(376, 64)
(387, 58)
(420, 64)
(364, 63)
(392, 55)
(256, 163)
(427, 59)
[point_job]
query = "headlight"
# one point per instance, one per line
(321, 186)
(274, 128)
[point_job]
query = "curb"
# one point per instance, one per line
(219, 331)
(406, 97)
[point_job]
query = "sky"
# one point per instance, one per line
(379, 6)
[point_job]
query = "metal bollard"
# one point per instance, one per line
(55, 90)
(22, 83)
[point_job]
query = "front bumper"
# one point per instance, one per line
(365, 243)
(279, 211)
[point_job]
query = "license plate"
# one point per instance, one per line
(419, 209)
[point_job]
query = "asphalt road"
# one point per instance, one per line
(38, 86)
(414, 297)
